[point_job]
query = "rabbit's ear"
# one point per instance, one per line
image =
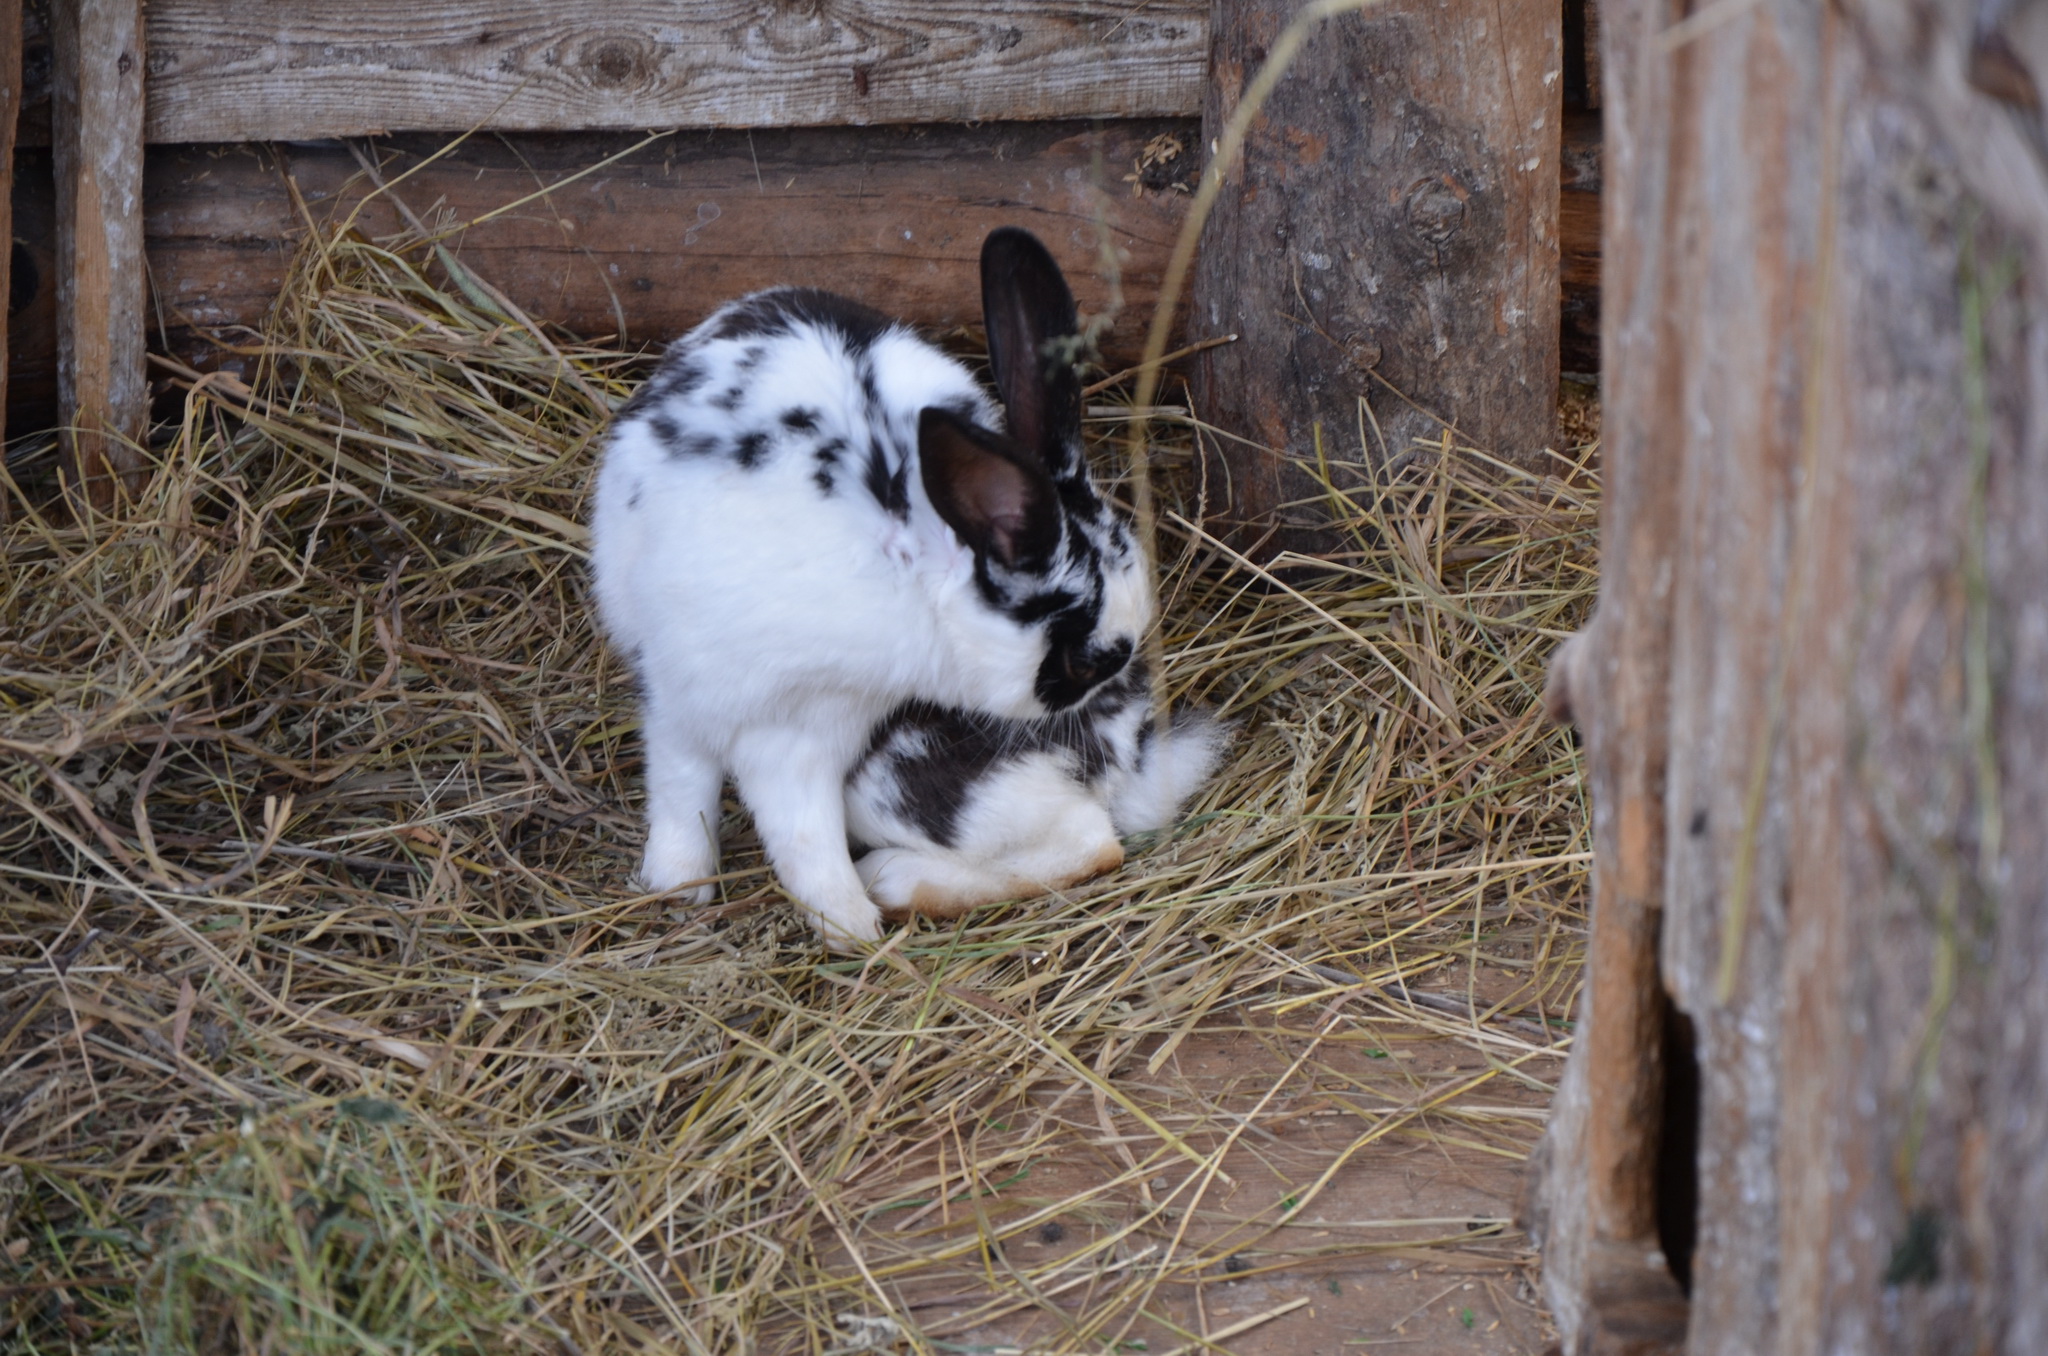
(987, 490)
(1032, 346)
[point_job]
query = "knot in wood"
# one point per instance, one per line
(1436, 210)
(613, 63)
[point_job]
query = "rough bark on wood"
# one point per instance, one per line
(10, 110)
(227, 70)
(1391, 236)
(653, 242)
(102, 383)
(1826, 321)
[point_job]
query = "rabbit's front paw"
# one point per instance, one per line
(849, 926)
(675, 860)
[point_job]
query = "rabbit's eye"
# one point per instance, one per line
(1080, 668)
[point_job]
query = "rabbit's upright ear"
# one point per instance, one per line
(1032, 342)
(987, 490)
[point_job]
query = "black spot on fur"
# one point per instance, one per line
(666, 431)
(827, 455)
(800, 420)
(729, 399)
(751, 448)
(891, 489)
(696, 445)
(678, 375)
(633, 499)
(751, 358)
(775, 312)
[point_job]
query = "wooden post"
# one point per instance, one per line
(1390, 238)
(1811, 703)
(102, 289)
(10, 114)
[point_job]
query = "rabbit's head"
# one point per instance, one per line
(1050, 555)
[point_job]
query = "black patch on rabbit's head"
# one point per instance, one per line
(1080, 578)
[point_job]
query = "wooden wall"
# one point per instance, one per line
(1815, 721)
(651, 244)
(1076, 119)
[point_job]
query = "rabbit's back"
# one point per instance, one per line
(759, 497)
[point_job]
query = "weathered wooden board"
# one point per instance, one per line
(102, 382)
(231, 70)
(1391, 239)
(650, 244)
(1818, 693)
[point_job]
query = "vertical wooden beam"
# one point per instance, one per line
(10, 111)
(96, 112)
(1390, 236)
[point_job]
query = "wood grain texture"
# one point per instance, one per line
(1827, 523)
(102, 384)
(1390, 238)
(230, 70)
(651, 244)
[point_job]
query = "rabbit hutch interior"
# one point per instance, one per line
(421, 925)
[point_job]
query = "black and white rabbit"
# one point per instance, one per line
(844, 582)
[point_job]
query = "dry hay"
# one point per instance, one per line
(330, 1021)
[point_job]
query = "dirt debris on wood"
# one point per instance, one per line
(331, 1020)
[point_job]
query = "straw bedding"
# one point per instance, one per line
(329, 1018)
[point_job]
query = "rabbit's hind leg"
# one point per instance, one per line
(791, 780)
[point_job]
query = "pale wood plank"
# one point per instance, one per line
(102, 383)
(229, 70)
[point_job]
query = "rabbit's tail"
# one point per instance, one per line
(1172, 765)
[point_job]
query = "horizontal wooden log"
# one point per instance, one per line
(647, 246)
(230, 70)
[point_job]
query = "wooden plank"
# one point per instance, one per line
(891, 215)
(102, 382)
(1391, 237)
(231, 70)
